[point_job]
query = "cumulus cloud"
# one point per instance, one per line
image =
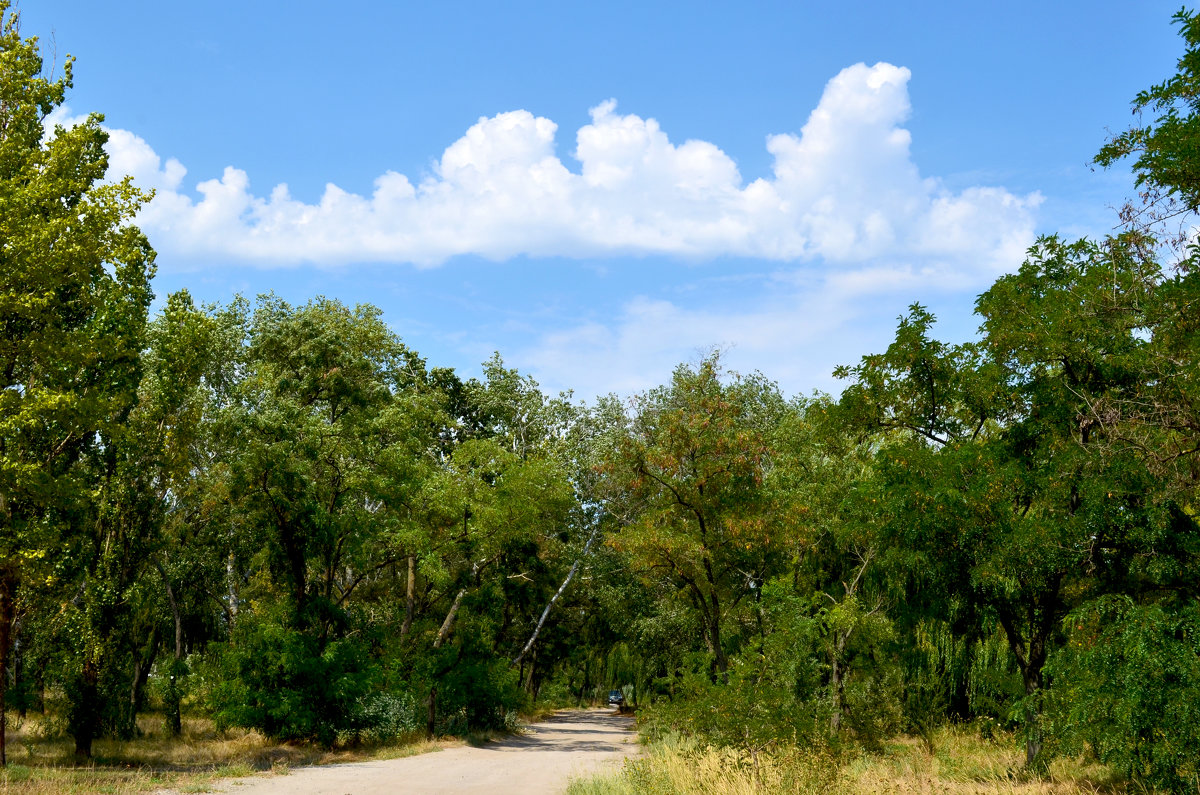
(844, 190)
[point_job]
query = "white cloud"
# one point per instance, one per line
(794, 326)
(844, 190)
(795, 335)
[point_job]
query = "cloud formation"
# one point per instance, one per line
(843, 190)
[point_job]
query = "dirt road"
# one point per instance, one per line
(539, 762)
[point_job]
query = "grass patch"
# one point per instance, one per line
(961, 764)
(41, 760)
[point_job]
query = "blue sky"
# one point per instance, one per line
(600, 191)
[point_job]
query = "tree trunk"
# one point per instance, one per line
(8, 588)
(1033, 737)
(173, 696)
(713, 603)
(431, 714)
(231, 581)
(410, 595)
(1030, 661)
(448, 624)
(529, 682)
(86, 709)
(141, 673)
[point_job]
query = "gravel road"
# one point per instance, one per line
(541, 761)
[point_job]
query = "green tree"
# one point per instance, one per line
(74, 292)
(331, 431)
(1008, 490)
(501, 516)
(824, 480)
(690, 480)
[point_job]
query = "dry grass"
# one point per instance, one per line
(962, 764)
(41, 762)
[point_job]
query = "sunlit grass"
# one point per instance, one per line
(962, 764)
(41, 758)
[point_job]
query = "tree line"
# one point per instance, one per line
(283, 518)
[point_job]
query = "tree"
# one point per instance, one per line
(824, 480)
(74, 292)
(1007, 488)
(333, 433)
(690, 476)
(498, 517)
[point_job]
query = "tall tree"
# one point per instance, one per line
(74, 292)
(1006, 489)
(689, 475)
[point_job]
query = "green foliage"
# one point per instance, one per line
(691, 471)
(283, 682)
(1128, 687)
(381, 716)
(755, 708)
(479, 694)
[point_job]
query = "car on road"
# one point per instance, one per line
(616, 698)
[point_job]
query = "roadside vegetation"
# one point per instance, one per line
(41, 757)
(257, 534)
(963, 764)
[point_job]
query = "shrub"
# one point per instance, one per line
(1128, 686)
(286, 684)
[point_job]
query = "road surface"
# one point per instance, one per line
(540, 762)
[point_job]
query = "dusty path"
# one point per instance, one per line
(540, 762)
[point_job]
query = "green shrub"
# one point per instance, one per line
(1127, 685)
(754, 709)
(386, 716)
(479, 694)
(287, 685)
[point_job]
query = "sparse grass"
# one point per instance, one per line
(41, 759)
(540, 711)
(962, 764)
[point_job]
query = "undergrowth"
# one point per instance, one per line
(962, 763)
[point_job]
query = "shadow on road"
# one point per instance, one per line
(605, 731)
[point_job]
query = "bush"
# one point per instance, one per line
(1127, 685)
(386, 716)
(479, 694)
(284, 683)
(755, 709)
